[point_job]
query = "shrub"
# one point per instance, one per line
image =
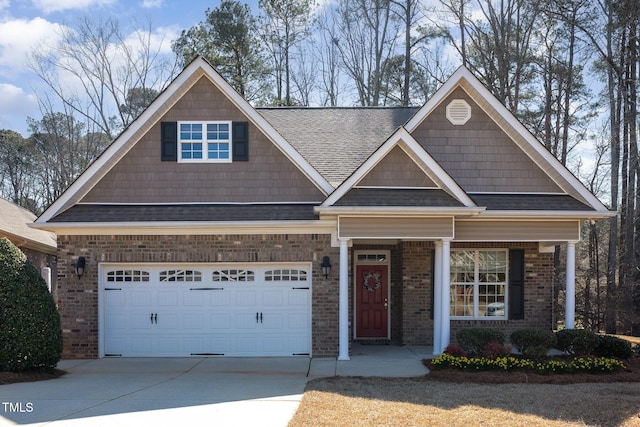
(455, 350)
(30, 333)
(533, 343)
(474, 340)
(493, 350)
(636, 349)
(610, 346)
(580, 342)
(510, 363)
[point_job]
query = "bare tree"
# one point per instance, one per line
(95, 66)
(284, 25)
(367, 40)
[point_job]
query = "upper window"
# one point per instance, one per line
(204, 141)
(478, 284)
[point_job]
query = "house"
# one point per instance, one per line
(39, 246)
(210, 227)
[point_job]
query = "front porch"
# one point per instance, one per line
(418, 299)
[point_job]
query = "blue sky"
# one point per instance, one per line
(25, 24)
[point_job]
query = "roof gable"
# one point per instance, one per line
(520, 136)
(402, 140)
(153, 114)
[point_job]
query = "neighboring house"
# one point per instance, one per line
(39, 246)
(206, 224)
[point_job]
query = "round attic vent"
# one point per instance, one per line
(458, 112)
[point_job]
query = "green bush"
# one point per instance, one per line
(610, 346)
(533, 343)
(579, 342)
(474, 340)
(510, 363)
(636, 349)
(30, 333)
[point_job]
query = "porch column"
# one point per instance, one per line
(344, 301)
(445, 322)
(570, 293)
(437, 298)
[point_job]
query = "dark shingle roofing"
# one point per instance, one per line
(535, 202)
(190, 213)
(336, 141)
(398, 197)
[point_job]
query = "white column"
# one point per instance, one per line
(445, 326)
(437, 298)
(570, 294)
(344, 301)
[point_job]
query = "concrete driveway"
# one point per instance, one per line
(190, 391)
(161, 392)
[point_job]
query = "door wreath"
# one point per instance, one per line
(366, 281)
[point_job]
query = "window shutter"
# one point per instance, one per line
(433, 281)
(169, 141)
(240, 135)
(516, 284)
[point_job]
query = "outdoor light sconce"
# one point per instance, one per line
(326, 266)
(80, 266)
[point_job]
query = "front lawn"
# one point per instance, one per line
(451, 397)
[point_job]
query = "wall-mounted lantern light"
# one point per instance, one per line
(80, 266)
(326, 266)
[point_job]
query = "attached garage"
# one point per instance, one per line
(150, 310)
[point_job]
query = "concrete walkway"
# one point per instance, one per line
(189, 391)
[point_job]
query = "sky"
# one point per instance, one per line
(27, 24)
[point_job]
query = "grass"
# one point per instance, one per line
(456, 398)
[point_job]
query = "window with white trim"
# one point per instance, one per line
(204, 142)
(478, 284)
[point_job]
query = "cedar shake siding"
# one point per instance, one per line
(78, 298)
(397, 169)
(141, 176)
(478, 155)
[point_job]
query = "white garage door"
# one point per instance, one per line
(194, 310)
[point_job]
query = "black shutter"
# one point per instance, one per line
(169, 141)
(516, 284)
(240, 135)
(433, 281)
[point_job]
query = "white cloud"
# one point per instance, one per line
(48, 6)
(18, 37)
(4, 4)
(16, 105)
(152, 4)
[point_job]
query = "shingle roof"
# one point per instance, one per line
(336, 141)
(189, 213)
(13, 224)
(398, 197)
(536, 202)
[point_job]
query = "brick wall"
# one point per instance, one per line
(78, 298)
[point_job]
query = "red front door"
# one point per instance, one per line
(372, 303)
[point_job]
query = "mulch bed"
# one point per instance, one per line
(630, 374)
(29, 376)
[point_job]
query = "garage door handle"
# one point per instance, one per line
(256, 317)
(154, 318)
(260, 317)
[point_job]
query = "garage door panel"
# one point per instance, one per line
(220, 321)
(169, 298)
(242, 312)
(141, 297)
(246, 298)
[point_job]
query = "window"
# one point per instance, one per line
(478, 284)
(204, 141)
(285, 275)
(180, 276)
(128, 276)
(233, 275)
